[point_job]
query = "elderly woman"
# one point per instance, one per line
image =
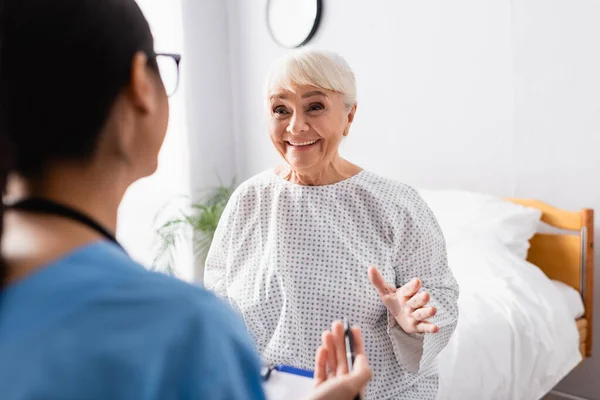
(296, 245)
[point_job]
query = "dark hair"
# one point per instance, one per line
(62, 65)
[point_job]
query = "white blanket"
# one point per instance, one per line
(516, 338)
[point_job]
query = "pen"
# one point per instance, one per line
(350, 354)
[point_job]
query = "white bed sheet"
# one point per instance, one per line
(572, 299)
(516, 337)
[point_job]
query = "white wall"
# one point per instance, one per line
(136, 225)
(496, 96)
(198, 147)
(209, 102)
(434, 75)
(557, 124)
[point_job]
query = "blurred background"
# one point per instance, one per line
(493, 96)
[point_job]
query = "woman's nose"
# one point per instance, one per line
(297, 125)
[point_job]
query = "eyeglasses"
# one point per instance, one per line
(168, 68)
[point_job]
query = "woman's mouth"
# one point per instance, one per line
(302, 145)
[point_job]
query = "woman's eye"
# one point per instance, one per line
(280, 110)
(315, 107)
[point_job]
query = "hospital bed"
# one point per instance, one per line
(525, 271)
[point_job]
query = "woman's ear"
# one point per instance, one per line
(142, 85)
(351, 114)
(137, 101)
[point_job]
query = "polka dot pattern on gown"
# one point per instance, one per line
(292, 259)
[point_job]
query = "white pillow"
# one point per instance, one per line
(462, 213)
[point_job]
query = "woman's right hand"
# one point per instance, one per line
(331, 371)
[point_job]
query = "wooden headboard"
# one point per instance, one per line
(567, 257)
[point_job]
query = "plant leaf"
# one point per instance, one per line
(200, 219)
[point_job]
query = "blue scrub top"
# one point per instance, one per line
(96, 325)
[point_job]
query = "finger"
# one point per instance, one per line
(377, 280)
(345, 386)
(321, 366)
(418, 300)
(422, 314)
(410, 288)
(361, 374)
(330, 346)
(359, 345)
(427, 327)
(340, 347)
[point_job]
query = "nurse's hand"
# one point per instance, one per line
(331, 371)
(408, 306)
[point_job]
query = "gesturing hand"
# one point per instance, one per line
(406, 304)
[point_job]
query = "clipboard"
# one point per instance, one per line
(282, 382)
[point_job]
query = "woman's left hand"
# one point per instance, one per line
(408, 306)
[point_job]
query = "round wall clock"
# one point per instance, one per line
(292, 23)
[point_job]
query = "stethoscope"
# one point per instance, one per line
(45, 206)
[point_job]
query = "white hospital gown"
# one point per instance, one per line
(292, 259)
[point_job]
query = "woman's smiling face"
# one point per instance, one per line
(306, 126)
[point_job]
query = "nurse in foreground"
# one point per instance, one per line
(83, 114)
(294, 245)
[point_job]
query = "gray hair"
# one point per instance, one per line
(321, 69)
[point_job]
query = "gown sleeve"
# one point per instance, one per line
(215, 266)
(421, 253)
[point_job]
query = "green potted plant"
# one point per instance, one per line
(190, 220)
